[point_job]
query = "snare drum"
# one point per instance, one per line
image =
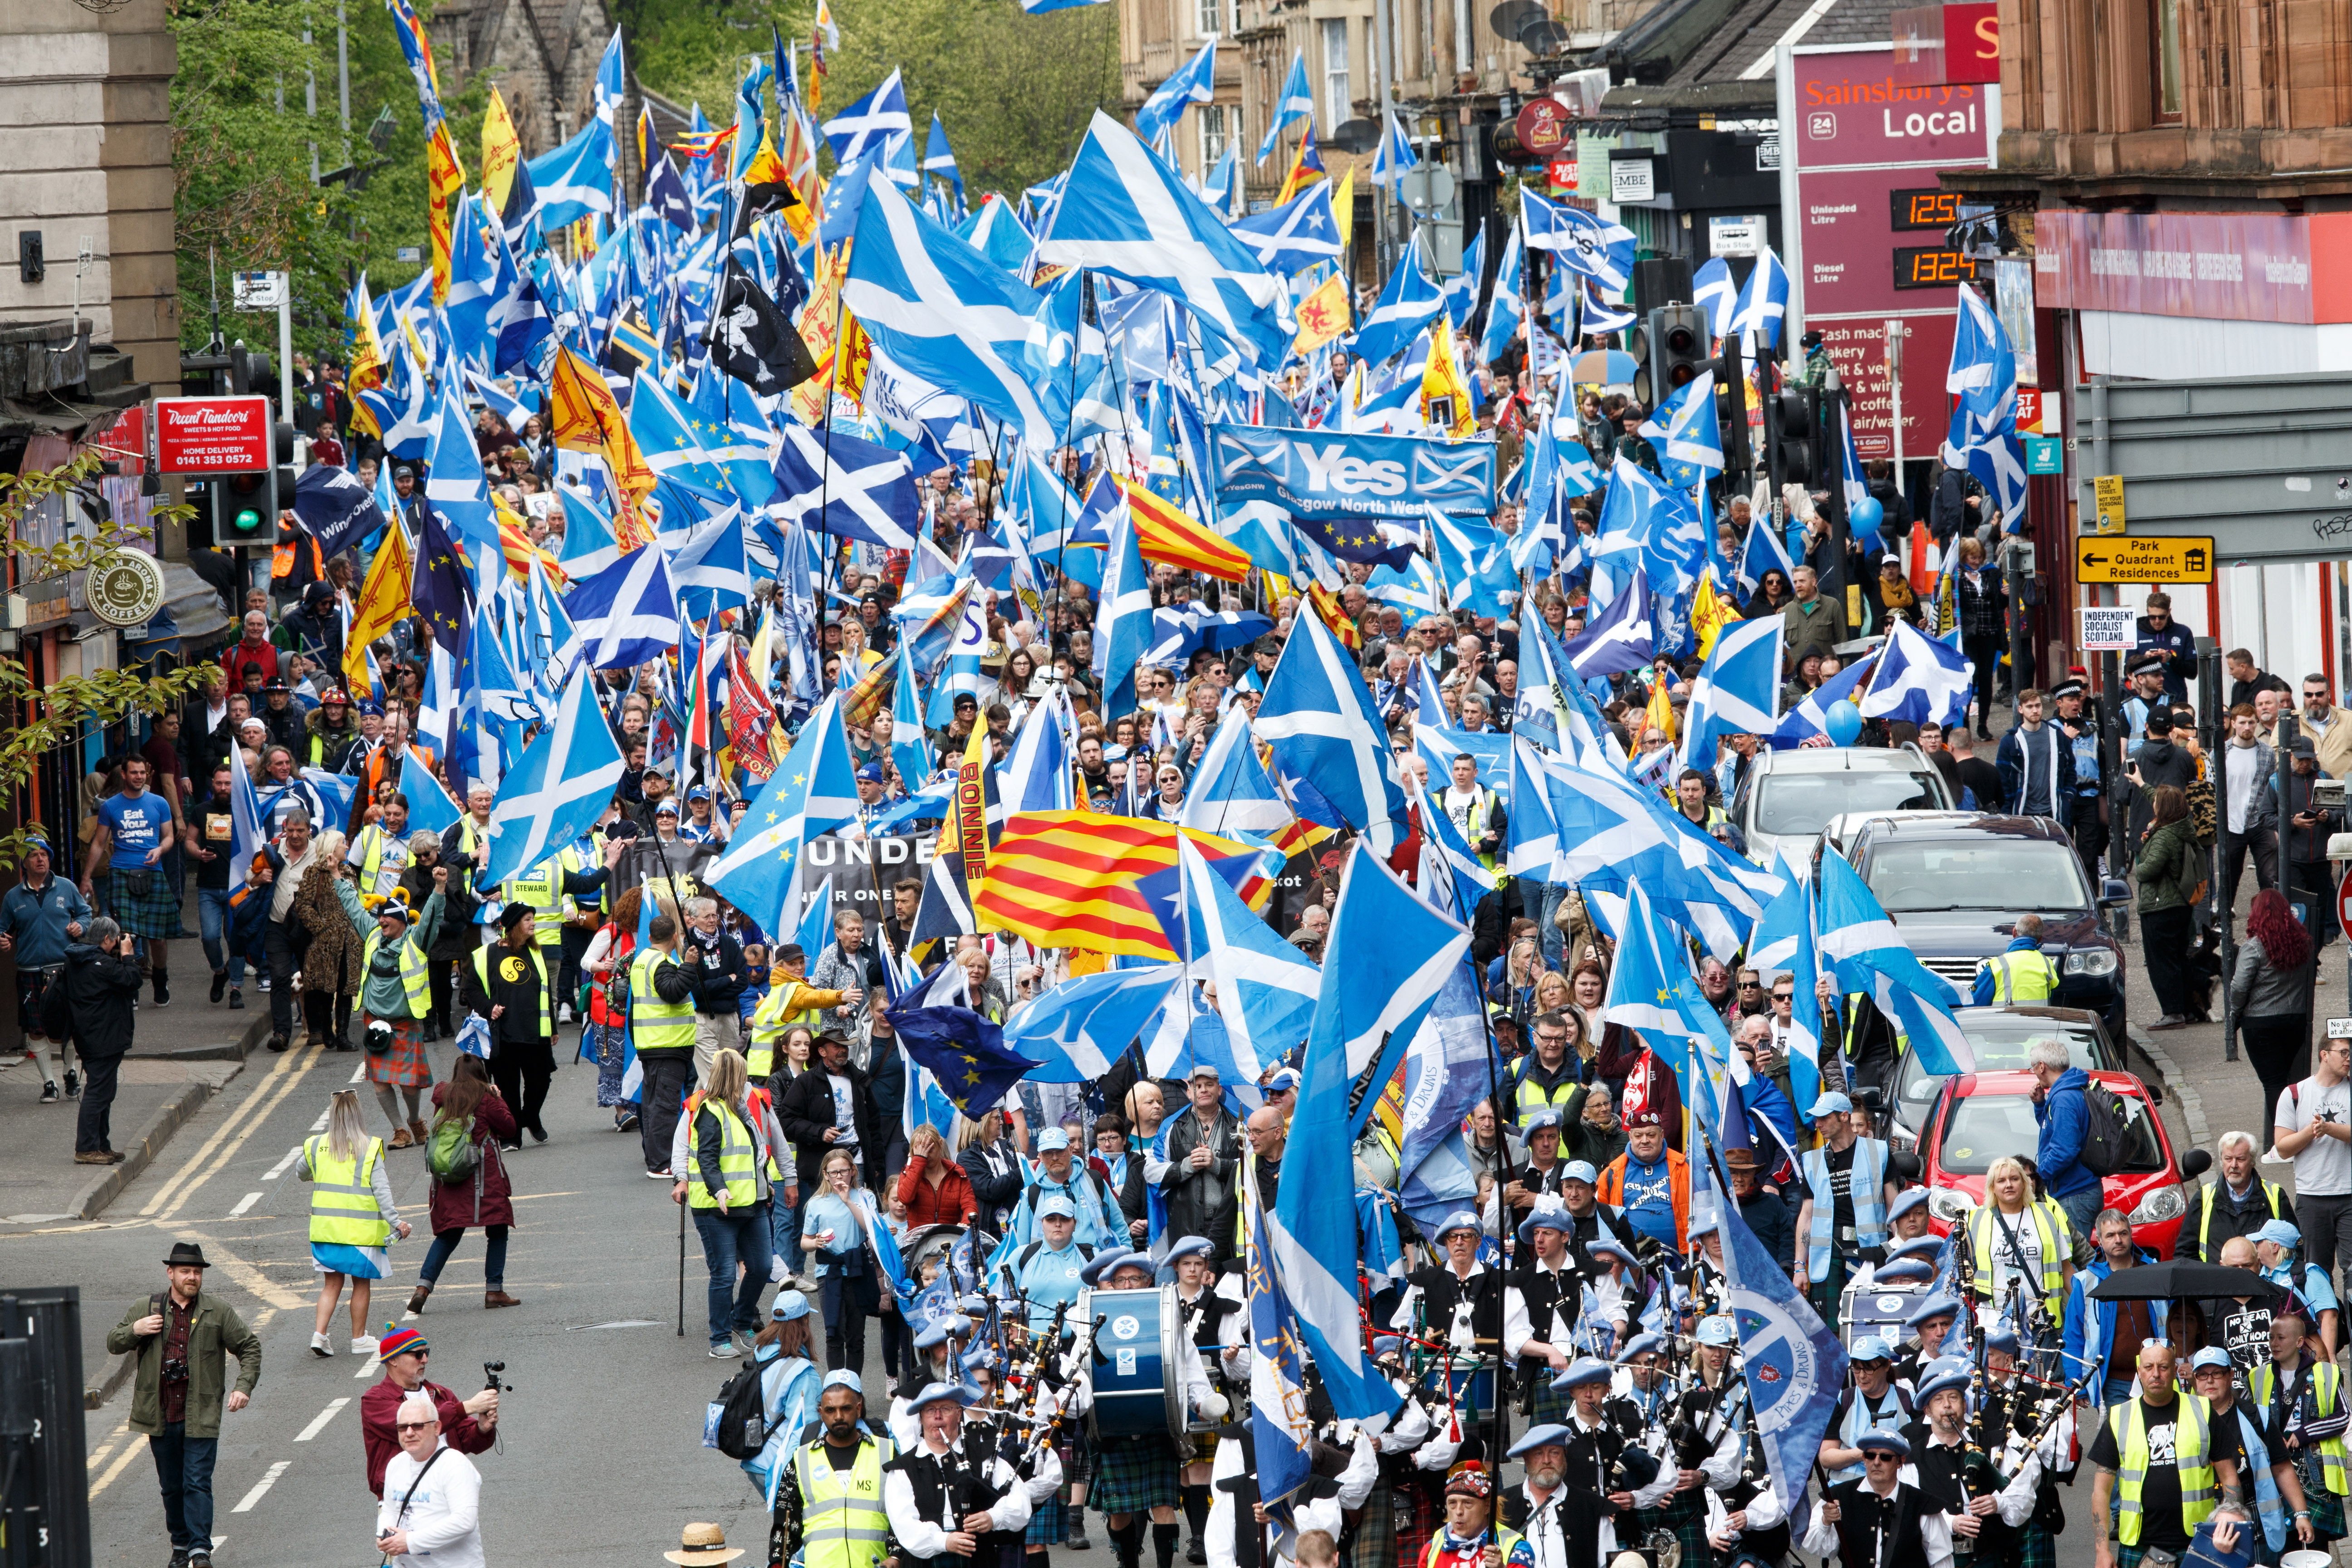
(1137, 1385)
(1880, 1309)
(1461, 1377)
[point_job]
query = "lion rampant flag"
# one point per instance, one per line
(1710, 613)
(444, 182)
(584, 417)
(820, 328)
(1443, 390)
(383, 603)
(501, 150)
(1323, 316)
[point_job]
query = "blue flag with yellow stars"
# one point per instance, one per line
(961, 1049)
(1355, 539)
(440, 589)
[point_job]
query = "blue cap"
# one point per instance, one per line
(1883, 1441)
(1550, 1435)
(1701, 1224)
(1906, 1200)
(1386, 1344)
(1283, 1080)
(974, 1305)
(1549, 1213)
(788, 1307)
(370, 705)
(1187, 1247)
(2001, 1338)
(936, 1333)
(1938, 1305)
(1580, 1171)
(1055, 1205)
(1610, 1245)
(1053, 1138)
(1717, 1329)
(1926, 1247)
(1944, 1371)
(845, 1378)
(1902, 1271)
(1831, 1104)
(698, 791)
(1460, 1219)
(1640, 1344)
(1547, 1117)
(2211, 1358)
(1097, 1268)
(1870, 1347)
(1584, 1370)
(2280, 1231)
(951, 1394)
(669, 806)
(870, 773)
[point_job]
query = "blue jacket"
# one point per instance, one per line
(36, 923)
(1988, 987)
(2062, 1117)
(2090, 1332)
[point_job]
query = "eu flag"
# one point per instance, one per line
(1355, 539)
(441, 590)
(965, 1052)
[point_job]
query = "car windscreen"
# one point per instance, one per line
(1982, 1127)
(1804, 802)
(1977, 871)
(2001, 1046)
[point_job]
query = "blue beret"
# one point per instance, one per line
(1950, 1371)
(1906, 1200)
(1902, 1271)
(1928, 1247)
(1640, 1344)
(1587, 1368)
(1461, 1219)
(1938, 1305)
(1549, 1213)
(951, 1392)
(1551, 1435)
(1885, 1441)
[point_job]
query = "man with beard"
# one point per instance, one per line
(839, 1479)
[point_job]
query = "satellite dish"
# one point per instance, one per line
(1543, 36)
(1355, 136)
(1513, 16)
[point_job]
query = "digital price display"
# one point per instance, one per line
(1916, 210)
(1932, 267)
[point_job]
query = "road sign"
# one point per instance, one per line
(2045, 454)
(2144, 560)
(204, 436)
(2109, 490)
(2107, 629)
(2344, 919)
(259, 290)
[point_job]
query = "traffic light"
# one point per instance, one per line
(1678, 337)
(1732, 403)
(245, 506)
(1792, 437)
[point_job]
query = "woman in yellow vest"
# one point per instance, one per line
(791, 1002)
(353, 1217)
(2014, 1232)
(727, 1182)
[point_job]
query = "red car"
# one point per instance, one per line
(1980, 1117)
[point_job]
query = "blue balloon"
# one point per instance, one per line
(1843, 722)
(1865, 515)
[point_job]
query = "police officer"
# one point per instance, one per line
(2018, 975)
(2080, 732)
(953, 1503)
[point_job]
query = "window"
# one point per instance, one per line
(2165, 36)
(1216, 131)
(1338, 102)
(1211, 18)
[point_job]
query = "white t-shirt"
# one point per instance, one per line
(2004, 1258)
(844, 1111)
(2324, 1169)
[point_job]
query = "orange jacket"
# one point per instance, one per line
(1612, 1191)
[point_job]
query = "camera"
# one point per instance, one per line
(175, 1370)
(490, 1369)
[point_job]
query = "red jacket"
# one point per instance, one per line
(949, 1203)
(241, 653)
(486, 1197)
(377, 1406)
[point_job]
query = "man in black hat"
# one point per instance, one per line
(2310, 877)
(2080, 729)
(178, 1336)
(408, 496)
(282, 716)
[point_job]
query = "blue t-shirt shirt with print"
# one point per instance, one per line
(1650, 1198)
(137, 826)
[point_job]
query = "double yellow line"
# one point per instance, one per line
(229, 1138)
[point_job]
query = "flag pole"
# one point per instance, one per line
(1503, 1227)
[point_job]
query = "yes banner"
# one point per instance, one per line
(1323, 475)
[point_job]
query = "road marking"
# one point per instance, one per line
(319, 1423)
(252, 1279)
(262, 1486)
(280, 1168)
(359, 1073)
(223, 1145)
(319, 1125)
(244, 1204)
(374, 1363)
(121, 1463)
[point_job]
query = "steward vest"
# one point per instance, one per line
(2326, 1392)
(843, 1523)
(2022, 979)
(2270, 1507)
(414, 982)
(2272, 1196)
(2049, 1224)
(375, 842)
(737, 1163)
(542, 890)
(775, 1018)
(342, 1196)
(657, 1026)
(1865, 1187)
(507, 955)
(1480, 810)
(1530, 1094)
(1506, 1538)
(2192, 1456)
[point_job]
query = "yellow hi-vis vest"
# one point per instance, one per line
(509, 955)
(735, 1162)
(771, 1022)
(342, 1196)
(2022, 979)
(843, 1524)
(542, 890)
(1486, 801)
(2327, 1392)
(2050, 1223)
(413, 978)
(2192, 1454)
(656, 1024)
(1505, 1539)
(375, 840)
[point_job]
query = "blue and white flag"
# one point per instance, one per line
(1296, 235)
(1282, 1437)
(336, 509)
(1080, 1028)
(1194, 81)
(1619, 638)
(1688, 433)
(939, 158)
(1983, 437)
(1652, 992)
(874, 120)
(625, 614)
(1296, 104)
(1230, 791)
(708, 566)
(1764, 302)
(1177, 634)
(1508, 303)
(1738, 692)
(814, 793)
(1266, 988)
(1407, 306)
(1329, 746)
(1867, 955)
(612, 82)
(575, 180)
(1448, 1069)
(558, 790)
(1396, 952)
(859, 489)
(1394, 158)
(1582, 242)
(1810, 717)
(1713, 291)
(1918, 677)
(1792, 1367)
(1783, 944)
(1039, 775)
(1761, 552)
(455, 487)
(1123, 624)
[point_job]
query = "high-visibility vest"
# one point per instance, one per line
(656, 1024)
(1505, 1539)
(843, 1523)
(771, 1022)
(1866, 1185)
(737, 1167)
(2192, 1456)
(1486, 801)
(509, 955)
(1529, 1095)
(374, 841)
(541, 888)
(2274, 1195)
(2050, 1223)
(756, 1105)
(2327, 1392)
(342, 1196)
(414, 981)
(2022, 979)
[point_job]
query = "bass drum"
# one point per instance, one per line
(1138, 1386)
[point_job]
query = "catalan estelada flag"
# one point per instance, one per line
(1102, 884)
(1164, 533)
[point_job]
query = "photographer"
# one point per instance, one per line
(467, 1426)
(101, 982)
(180, 1337)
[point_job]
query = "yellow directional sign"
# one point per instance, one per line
(2141, 558)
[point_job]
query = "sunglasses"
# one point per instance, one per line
(414, 1426)
(1880, 1457)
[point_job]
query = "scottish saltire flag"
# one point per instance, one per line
(1759, 553)
(1461, 289)
(1396, 952)
(1408, 303)
(1867, 955)
(612, 82)
(1582, 243)
(1688, 434)
(574, 180)
(1177, 634)
(1597, 312)
(1265, 988)
(939, 158)
(1713, 291)
(874, 120)
(1631, 516)
(557, 791)
(1983, 437)
(1764, 302)
(625, 614)
(431, 807)
(1533, 837)
(1394, 158)
(816, 920)
(1793, 1367)
(1296, 103)
(1219, 185)
(1810, 718)
(1282, 1437)
(1738, 692)
(1039, 775)
(1783, 944)
(1124, 212)
(1652, 992)
(1329, 746)
(1296, 235)
(1508, 303)
(1918, 677)
(708, 566)
(249, 829)
(859, 489)
(1230, 791)
(1447, 1069)
(814, 793)
(1194, 81)
(455, 487)
(1078, 1030)
(1472, 562)
(1619, 638)
(1123, 628)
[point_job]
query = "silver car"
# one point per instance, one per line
(1789, 797)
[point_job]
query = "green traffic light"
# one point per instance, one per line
(248, 521)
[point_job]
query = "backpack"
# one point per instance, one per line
(450, 1153)
(736, 1424)
(57, 1008)
(2104, 1129)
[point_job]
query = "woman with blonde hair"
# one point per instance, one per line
(837, 1229)
(722, 1153)
(353, 1217)
(2012, 1234)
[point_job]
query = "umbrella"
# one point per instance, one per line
(1603, 368)
(2178, 1279)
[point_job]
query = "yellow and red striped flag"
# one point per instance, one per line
(1165, 532)
(1077, 878)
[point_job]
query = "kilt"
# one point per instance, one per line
(1046, 1521)
(2036, 1547)
(2326, 1512)
(1684, 1514)
(1078, 1454)
(1136, 1474)
(1549, 1407)
(405, 1064)
(1396, 1525)
(157, 914)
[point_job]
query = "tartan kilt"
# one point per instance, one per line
(1046, 1521)
(1380, 1539)
(405, 1064)
(1549, 1407)
(2326, 1513)
(155, 915)
(2036, 1547)
(1136, 1474)
(1078, 1452)
(1684, 1514)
